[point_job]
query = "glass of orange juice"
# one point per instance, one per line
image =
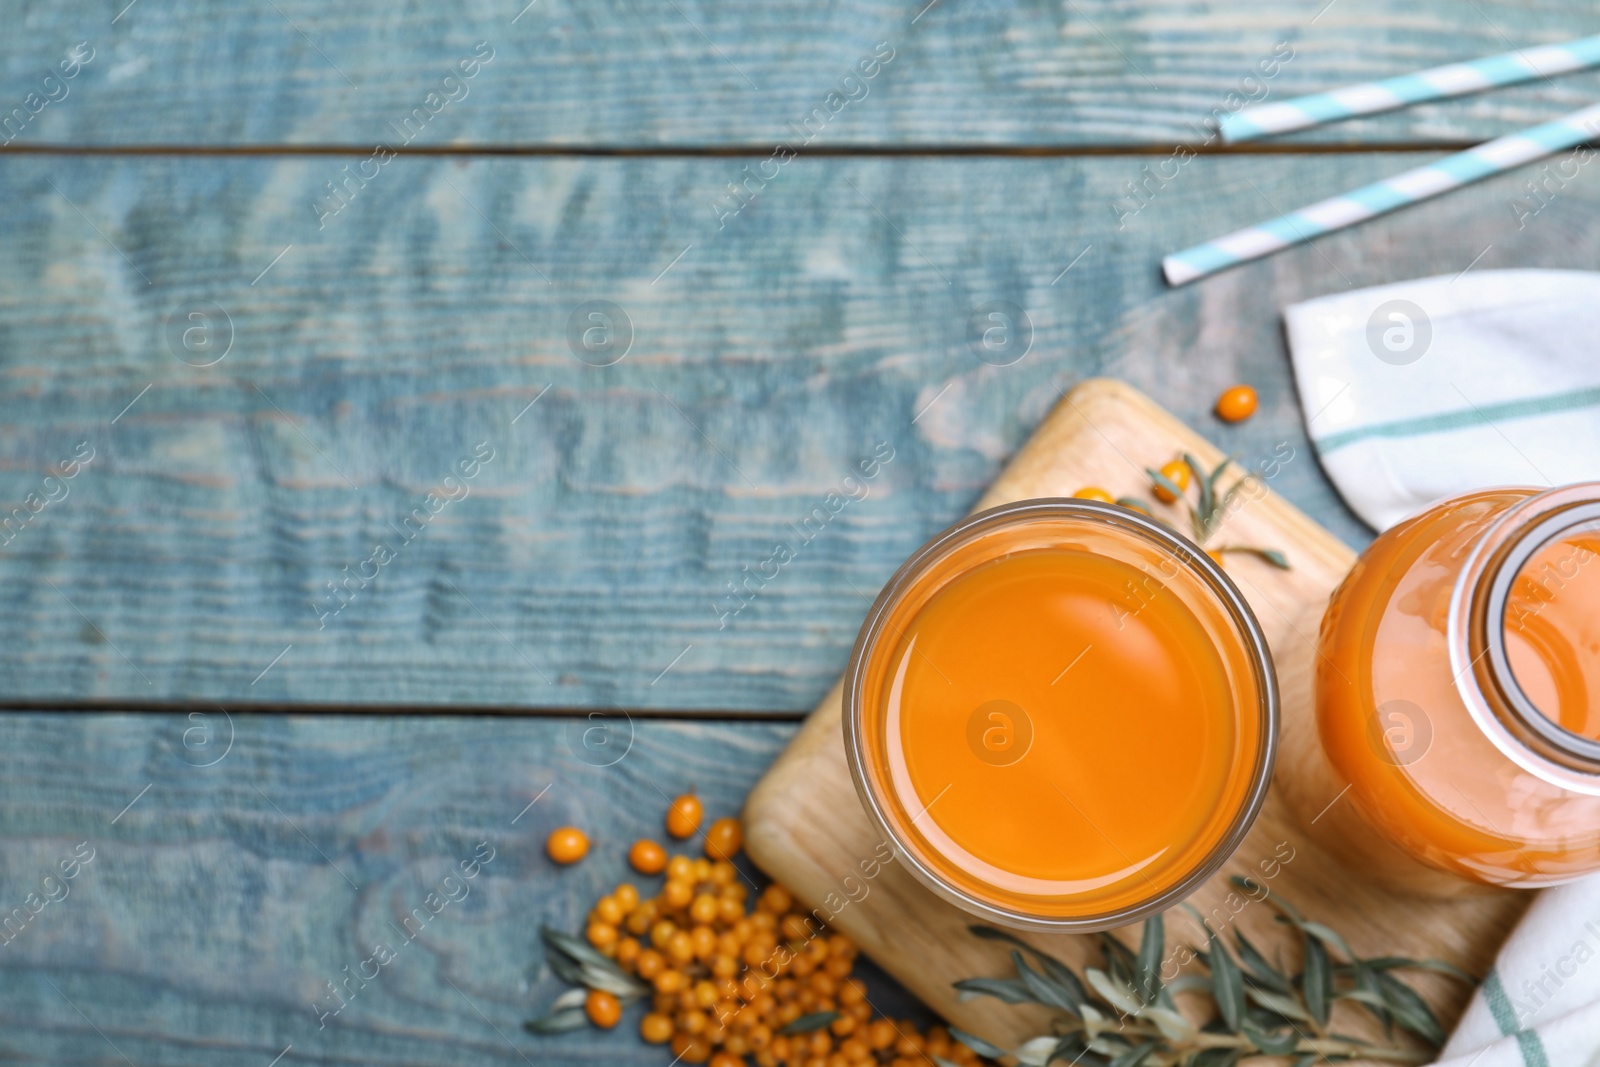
(1458, 697)
(1062, 713)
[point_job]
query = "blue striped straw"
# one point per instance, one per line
(1437, 83)
(1380, 198)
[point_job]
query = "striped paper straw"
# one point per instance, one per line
(1380, 198)
(1452, 79)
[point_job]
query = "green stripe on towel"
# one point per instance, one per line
(1456, 420)
(1506, 1019)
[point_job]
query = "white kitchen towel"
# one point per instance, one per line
(1421, 390)
(1540, 1005)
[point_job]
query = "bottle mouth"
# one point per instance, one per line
(1483, 659)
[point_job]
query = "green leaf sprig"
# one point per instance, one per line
(1123, 1015)
(578, 964)
(1209, 508)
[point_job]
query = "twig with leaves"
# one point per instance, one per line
(1123, 1014)
(1209, 508)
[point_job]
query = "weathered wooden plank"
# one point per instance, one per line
(588, 565)
(229, 869)
(628, 73)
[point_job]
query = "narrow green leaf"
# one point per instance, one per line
(1135, 503)
(1166, 483)
(1189, 983)
(1121, 963)
(978, 1044)
(1389, 963)
(1274, 1044)
(1410, 1010)
(1286, 1006)
(1135, 1056)
(1270, 555)
(1007, 989)
(576, 962)
(1043, 989)
(1218, 1057)
(1152, 947)
(1208, 488)
(558, 1022)
(1328, 936)
(1036, 1052)
(1059, 972)
(807, 1023)
(1173, 1027)
(1317, 985)
(1227, 983)
(1118, 994)
(1256, 967)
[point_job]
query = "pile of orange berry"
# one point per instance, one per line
(769, 983)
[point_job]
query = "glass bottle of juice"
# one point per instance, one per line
(1458, 697)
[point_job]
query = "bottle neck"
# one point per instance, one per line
(1481, 659)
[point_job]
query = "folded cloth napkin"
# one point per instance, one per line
(1421, 390)
(1540, 1005)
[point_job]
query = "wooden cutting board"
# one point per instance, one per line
(804, 824)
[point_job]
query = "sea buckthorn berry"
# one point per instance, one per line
(730, 910)
(627, 897)
(670, 981)
(680, 948)
(647, 857)
(1176, 472)
(843, 1026)
(1094, 492)
(724, 839)
(700, 870)
(602, 1008)
(662, 932)
(759, 1037)
(1237, 403)
(880, 1035)
(680, 869)
(726, 1059)
(861, 1012)
(794, 928)
(851, 991)
(723, 873)
(649, 964)
(839, 966)
(683, 815)
(776, 900)
(704, 908)
(692, 1022)
(819, 1043)
(628, 950)
(690, 1049)
(676, 895)
(608, 911)
(724, 966)
(602, 935)
(567, 845)
(705, 942)
(656, 1029)
(1216, 557)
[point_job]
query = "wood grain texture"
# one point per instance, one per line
(768, 359)
(716, 72)
(805, 825)
(262, 856)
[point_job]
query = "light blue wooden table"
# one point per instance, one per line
(280, 267)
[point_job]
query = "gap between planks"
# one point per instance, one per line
(741, 151)
(452, 711)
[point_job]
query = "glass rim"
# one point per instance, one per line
(1214, 578)
(1475, 632)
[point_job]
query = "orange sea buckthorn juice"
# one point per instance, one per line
(1458, 694)
(1062, 713)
